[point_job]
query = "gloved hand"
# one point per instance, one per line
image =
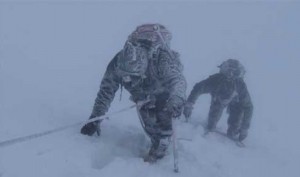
(188, 108)
(243, 134)
(90, 128)
(174, 106)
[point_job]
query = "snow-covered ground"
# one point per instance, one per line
(53, 55)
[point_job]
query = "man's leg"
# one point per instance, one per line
(163, 126)
(234, 121)
(164, 122)
(160, 133)
(149, 122)
(214, 115)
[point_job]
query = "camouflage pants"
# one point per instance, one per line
(157, 123)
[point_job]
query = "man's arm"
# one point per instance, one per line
(202, 87)
(108, 87)
(246, 103)
(170, 72)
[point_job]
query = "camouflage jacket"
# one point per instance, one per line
(226, 92)
(163, 75)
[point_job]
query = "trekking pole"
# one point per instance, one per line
(175, 149)
(37, 135)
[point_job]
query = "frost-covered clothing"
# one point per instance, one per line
(162, 83)
(230, 93)
(164, 75)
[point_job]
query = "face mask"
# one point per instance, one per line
(233, 74)
(232, 69)
(134, 59)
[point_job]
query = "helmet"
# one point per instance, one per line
(232, 69)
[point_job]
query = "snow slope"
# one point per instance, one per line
(53, 55)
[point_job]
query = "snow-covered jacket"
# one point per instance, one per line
(163, 75)
(227, 92)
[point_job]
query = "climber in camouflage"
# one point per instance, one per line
(227, 89)
(152, 74)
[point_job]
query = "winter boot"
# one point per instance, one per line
(157, 150)
(232, 133)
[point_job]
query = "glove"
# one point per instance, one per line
(188, 108)
(90, 128)
(243, 134)
(174, 106)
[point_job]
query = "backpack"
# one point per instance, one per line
(158, 34)
(143, 43)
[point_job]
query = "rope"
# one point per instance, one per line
(37, 135)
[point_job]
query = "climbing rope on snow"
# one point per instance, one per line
(41, 134)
